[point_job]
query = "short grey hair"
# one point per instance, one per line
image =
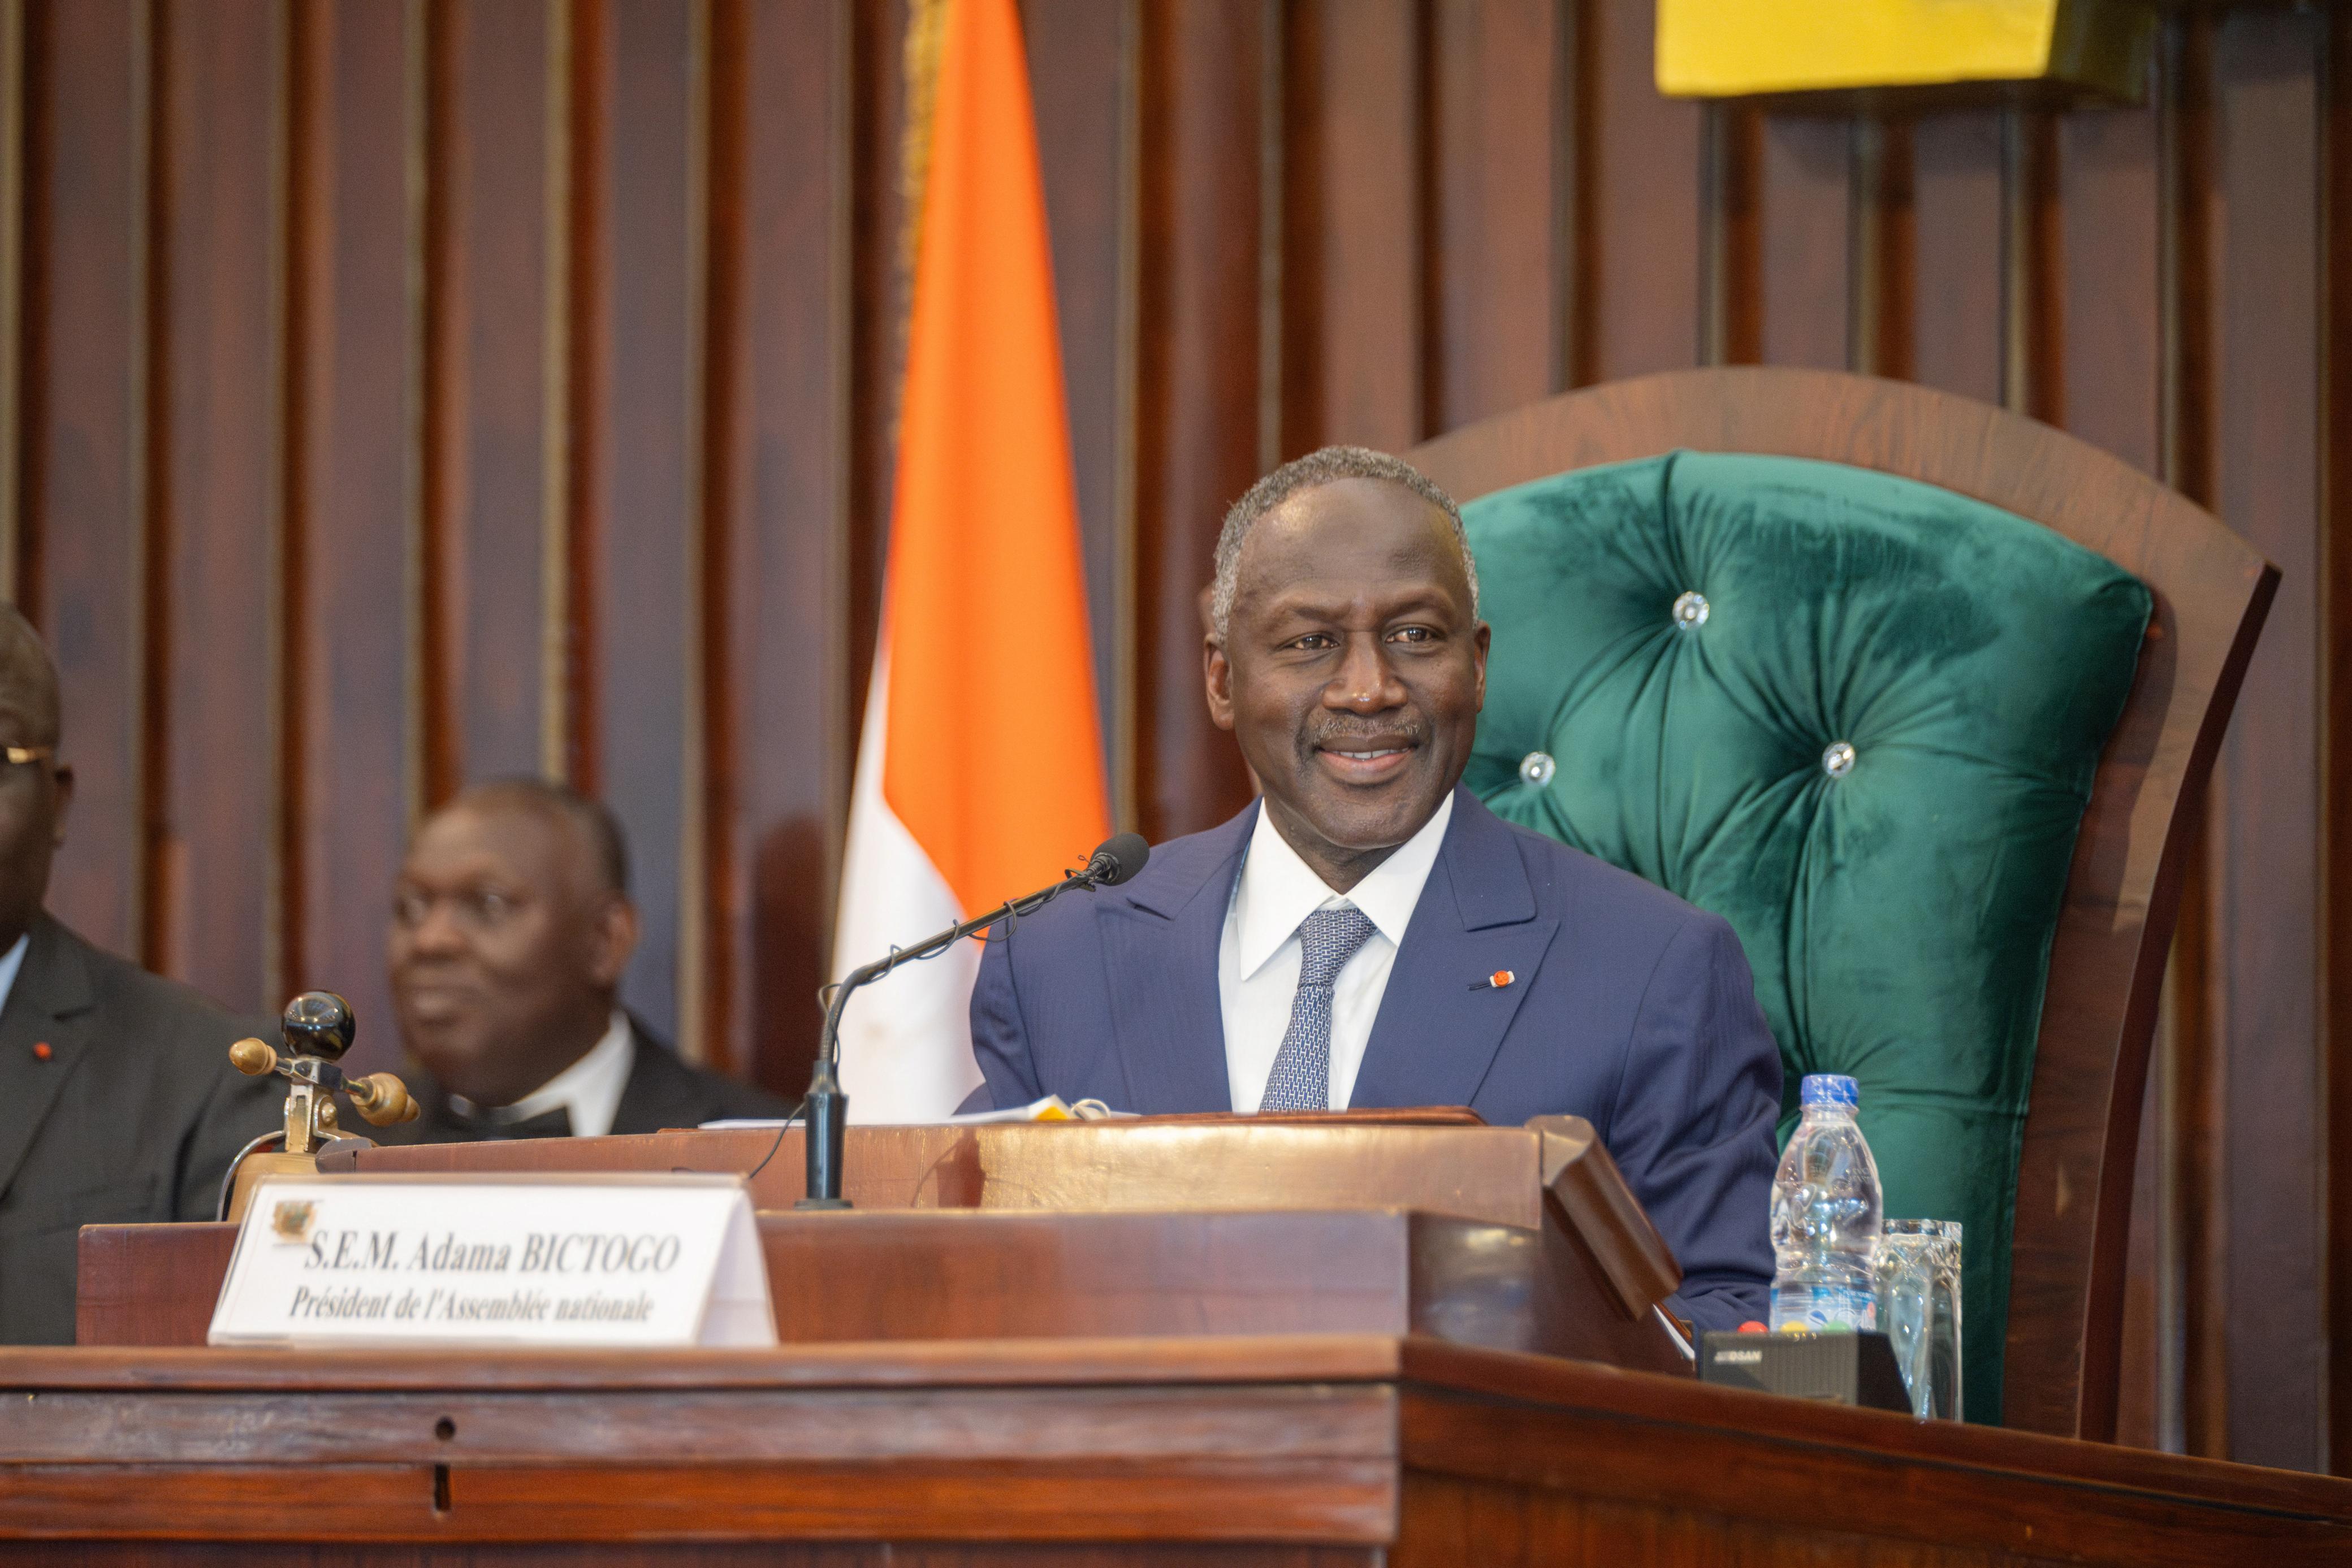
(1325, 466)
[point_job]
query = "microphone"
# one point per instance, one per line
(1120, 857)
(826, 1109)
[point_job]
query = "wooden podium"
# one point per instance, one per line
(1334, 1340)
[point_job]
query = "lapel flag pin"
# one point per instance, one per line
(1495, 981)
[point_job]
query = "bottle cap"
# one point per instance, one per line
(1828, 1089)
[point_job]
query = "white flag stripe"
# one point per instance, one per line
(905, 1040)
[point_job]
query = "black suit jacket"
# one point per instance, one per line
(662, 1091)
(133, 1115)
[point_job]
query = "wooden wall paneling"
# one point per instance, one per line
(2032, 367)
(780, 425)
(881, 265)
(13, 577)
(1352, 229)
(1805, 222)
(1080, 88)
(497, 335)
(636, 395)
(83, 507)
(1956, 288)
(2335, 724)
(1197, 379)
(1492, 337)
(2108, 249)
(2266, 294)
(351, 501)
(219, 231)
(1640, 199)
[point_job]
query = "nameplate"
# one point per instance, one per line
(650, 1260)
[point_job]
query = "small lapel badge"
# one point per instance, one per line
(1494, 982)
(41, 1051)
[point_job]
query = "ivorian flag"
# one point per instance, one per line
(980, 772)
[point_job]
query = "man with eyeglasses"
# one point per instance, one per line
(118, 1103)
(510, 926)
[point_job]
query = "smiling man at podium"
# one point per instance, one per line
(1367, 934)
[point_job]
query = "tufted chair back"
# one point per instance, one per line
(1863, 716)
(1858, 717)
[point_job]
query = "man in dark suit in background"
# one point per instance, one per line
(510, 926)
(116, 1100)
(1368, 934)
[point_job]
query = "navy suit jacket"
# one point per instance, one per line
(1630, 1008)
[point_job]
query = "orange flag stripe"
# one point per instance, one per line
(993, 756)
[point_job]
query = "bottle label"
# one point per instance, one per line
(1823, 1307)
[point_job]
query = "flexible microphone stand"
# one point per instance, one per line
(825, 1110)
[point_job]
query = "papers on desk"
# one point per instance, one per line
(1052, 1108)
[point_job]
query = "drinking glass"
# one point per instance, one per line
(1918, 1278)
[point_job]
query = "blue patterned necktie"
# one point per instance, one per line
(1301, 1078)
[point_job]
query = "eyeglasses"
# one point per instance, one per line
(20, 755)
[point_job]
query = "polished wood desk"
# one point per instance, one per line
(1077, 1346)
(1297, 1450)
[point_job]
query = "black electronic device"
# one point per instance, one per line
(1838, 1366)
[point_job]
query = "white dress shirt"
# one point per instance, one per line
(1257, 959)
(590, 1089)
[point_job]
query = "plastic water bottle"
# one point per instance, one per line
(1825, 1214)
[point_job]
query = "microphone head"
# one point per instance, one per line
(1121, 856)
(320, 1023)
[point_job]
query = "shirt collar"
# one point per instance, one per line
(590, 1089)
(1276, 889)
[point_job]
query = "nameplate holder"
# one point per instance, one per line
(645, 1261)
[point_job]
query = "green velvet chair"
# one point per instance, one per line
(1919, 695)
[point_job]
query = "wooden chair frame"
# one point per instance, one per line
(2114, 932)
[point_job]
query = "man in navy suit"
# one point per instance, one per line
(1368, 934)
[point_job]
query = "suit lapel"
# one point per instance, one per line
(659, 1093)
(49, 1004)
(1160, 954)
(1435, 1036)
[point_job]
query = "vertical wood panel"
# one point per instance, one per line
(487, 398)
(2108, 247)
(639, 477)
(1643, 208)
(13, 577)
(2335, 721)
(349, 507)
(1196, 449)
(1956, 207)
(879, 311)
(1078, 50)
(85, 408)
(220, 92)
(1806, 179)
(779, 499)
(2265, 120)
(1494, 274)
(1351, 234)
